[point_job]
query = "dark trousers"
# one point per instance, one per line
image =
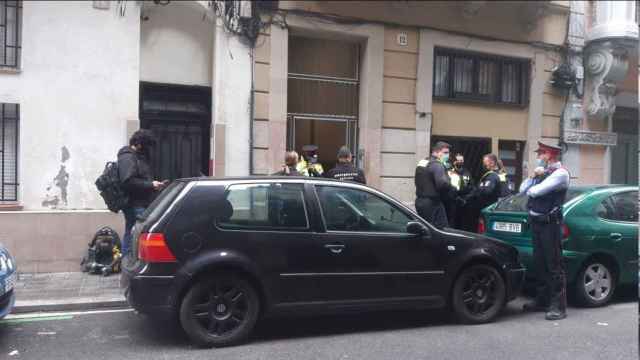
(433, 211)
(130, 217)
(549, 266)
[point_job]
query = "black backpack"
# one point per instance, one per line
(110, 188)
(103, 256)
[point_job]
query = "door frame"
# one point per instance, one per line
(351, 136)
(164, 91)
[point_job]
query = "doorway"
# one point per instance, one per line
(322, 96)
(328, 134)
(624, 156)
(472, 148)
(511, 152)
(180, 118)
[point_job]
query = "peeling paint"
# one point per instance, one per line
(61, 181)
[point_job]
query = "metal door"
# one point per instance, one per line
(624, 160)
(180, 117)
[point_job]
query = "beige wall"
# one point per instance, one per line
(53, 241)
(399, 113)
(459, 119)
(591, 165)
(262, 78)
(447, 15)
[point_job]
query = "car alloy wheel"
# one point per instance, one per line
(595, 284)
(597, 281)
(479, 294)
(219, 312)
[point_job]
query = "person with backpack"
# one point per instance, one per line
(136, 180)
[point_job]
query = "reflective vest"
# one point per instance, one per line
(456, 180)
(303, 168)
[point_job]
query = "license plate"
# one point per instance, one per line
(10, 282)
(507, 227)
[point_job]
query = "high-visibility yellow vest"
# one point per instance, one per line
(456, 180)
(303, 167)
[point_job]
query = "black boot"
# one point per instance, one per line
(556, 311)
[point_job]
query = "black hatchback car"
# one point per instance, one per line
(220, 253)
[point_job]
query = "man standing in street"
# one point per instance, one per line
(462, 182)
(433, 186)
(546, 191)
(134, 170)
(344, 170)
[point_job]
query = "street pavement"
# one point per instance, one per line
(603, 333)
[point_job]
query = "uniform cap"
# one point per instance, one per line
(310, 148)
(547, 146)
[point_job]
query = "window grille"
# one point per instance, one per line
(9, 135)
(10, 33)
(476, 77)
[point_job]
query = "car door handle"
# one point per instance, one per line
(615, 236)
(335, 248)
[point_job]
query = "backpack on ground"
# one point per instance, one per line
(110, 188)
(103, 256)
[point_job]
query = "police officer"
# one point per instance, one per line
(489, 190)
(308, 164)
(344, 170)
(546, 191)
(462, 182)
(433, 186)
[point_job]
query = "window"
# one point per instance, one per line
(482, 78)
(10, 33)
(265, 207)
(620, 207)
(9, 125)
(354, 210)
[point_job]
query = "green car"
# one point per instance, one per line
(600, 238)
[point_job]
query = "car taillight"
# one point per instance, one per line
(481, 226)
(565, 231)
(153, 248)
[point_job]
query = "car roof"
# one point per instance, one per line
(591, 188)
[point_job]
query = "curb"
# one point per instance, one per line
(73, 306)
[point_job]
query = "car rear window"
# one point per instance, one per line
(518, 202)
(162, 201)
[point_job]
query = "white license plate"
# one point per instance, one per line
(507, 227)
(10, 282)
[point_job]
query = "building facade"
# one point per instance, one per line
(228, 87)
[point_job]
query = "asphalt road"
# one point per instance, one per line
(604, 333)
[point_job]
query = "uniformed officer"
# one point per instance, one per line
(462, 182)
(433, 186)
(308, 164)
(546, 190)
(489, 190)
(345, 170)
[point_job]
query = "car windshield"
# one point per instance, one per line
(518, 202)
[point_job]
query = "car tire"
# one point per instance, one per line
(595, 283)
(479, 294)
(220, 311)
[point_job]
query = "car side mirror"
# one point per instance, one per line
(417, 228)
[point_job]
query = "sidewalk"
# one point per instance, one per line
(67, 291)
